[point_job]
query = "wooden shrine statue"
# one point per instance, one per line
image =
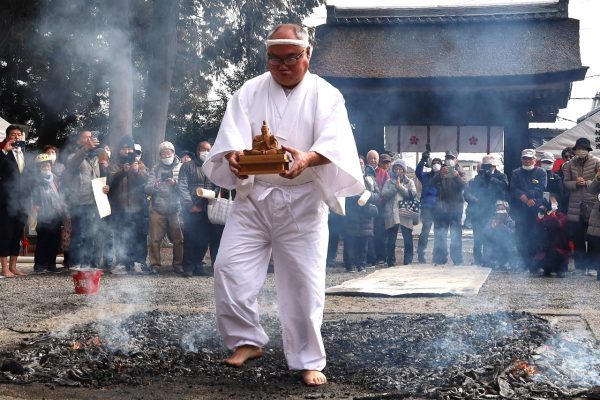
(265, 157)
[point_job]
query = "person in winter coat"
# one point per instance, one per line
(48, 205)
(399, 187)
(450, 183)
(593, 232)
(199, 233)
(554, 183)
(552, 242)
(482, 193)
(578, 173)
(126, 180)
(162, 185)
(498, 236)
(428, 200)
(382, 175)
(358, 227)
(527, 186)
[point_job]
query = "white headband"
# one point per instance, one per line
(293, 42)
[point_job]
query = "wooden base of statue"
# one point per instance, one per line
(260, 164)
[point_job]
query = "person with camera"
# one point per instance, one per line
(428, 200)
(198, 232)
(163, 186)
(12, 196)
(482, 193)
(399, 187)
(81, 168)
(450, 183)
(126, 180)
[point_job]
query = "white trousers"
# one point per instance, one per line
(290, 222)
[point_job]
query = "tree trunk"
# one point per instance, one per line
(163, 41)
(121, 76)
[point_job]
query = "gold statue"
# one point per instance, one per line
(265, 143)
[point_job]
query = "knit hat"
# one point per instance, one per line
(126, 141)
(385, 158)
(583, 143)
(547, 157)
(399, 162)
(165, 146)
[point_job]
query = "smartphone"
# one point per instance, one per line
(19, 143)
(450, 171)
(165, 176)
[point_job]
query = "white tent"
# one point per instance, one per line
(3, 125)
(588, 127)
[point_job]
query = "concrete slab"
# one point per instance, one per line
(424, 280)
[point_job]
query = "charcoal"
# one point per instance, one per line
(13, 367)
(482, 356)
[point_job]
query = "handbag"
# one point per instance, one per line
(219, 208)
(410, 208)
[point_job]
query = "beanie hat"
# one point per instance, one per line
(399, 162)
(126, 141)
(583, 143)
(166, 145)
(488, 160)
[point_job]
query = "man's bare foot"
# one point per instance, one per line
(243, 354)
(313, 378)
(8, 274)
(17, 272)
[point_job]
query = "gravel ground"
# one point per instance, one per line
(37, 303)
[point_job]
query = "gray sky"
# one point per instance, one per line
(586, 11)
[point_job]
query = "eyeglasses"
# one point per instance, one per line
(290, 60)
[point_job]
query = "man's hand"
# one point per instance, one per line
(302, 160)
(135, 167)
(580, 181)
(170, 182)
(530, 203)
(233, 158)
(126, 167)
(195, 209)
(105, 189)
(91, 143)
(8, 146)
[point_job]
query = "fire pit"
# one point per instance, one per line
(500, 355)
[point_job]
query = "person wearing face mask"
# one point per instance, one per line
(163, 186)
(48, 205)
(57, 167)
(527, 186)
(199, 233)
(450, 183)
(499, 238)
(551, 240)
(578, 174)
(554, 185)
(482, 193)
(428, 200)
(126, 181)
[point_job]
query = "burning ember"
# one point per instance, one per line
(514, 355)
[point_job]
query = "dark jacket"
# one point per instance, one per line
(428, 191)
(359, 220)
(449, 192)
(482, 193)
(529, 183)
(126, 192)
(14, 194)
(554, 185)
(191, 177)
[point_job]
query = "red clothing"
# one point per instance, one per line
(557, 165)
(381, 176)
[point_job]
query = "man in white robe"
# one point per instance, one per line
(283, 215)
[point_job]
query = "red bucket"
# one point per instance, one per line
(87, 280)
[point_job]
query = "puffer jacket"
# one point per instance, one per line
(392, 195)
(580, 196)
(165, 198)
(358, 221)
(192, 177)
(126, 192)
(82, 167)
(594, 221)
